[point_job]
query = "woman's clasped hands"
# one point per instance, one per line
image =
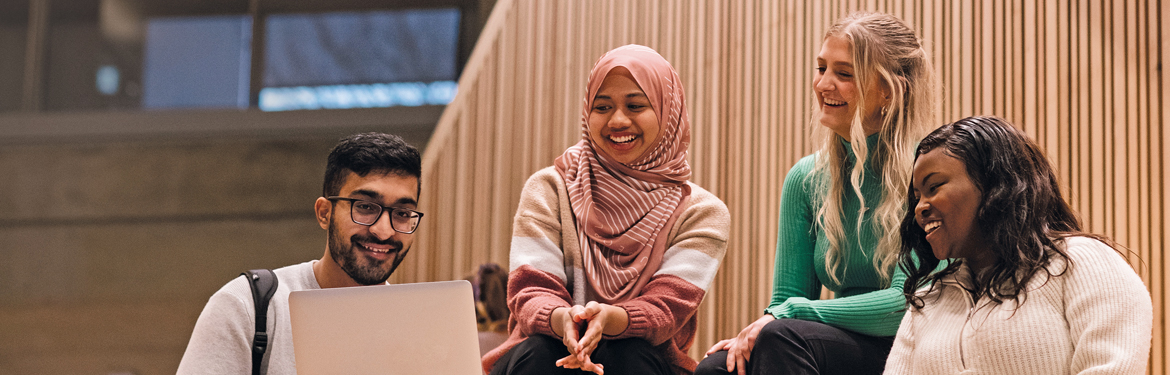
(583, 329)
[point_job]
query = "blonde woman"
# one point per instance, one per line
(839, 223)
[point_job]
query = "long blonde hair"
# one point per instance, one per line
(884, 46)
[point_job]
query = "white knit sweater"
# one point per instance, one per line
(1096, 318)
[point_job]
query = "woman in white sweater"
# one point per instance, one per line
(1026, 291)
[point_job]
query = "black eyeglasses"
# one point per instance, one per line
(403, 220)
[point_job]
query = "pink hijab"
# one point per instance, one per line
(624, 212)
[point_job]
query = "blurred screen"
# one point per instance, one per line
(311, 61)
(360, 59)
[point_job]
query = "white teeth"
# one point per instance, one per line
(622, 139)
(375, 250)
(833, 102)
(931, 226)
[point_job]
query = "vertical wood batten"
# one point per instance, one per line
(1052, 95)
(1064, 106)
(1155, 207)
(1083, 78)
(1151, 249)
(1123, 61)
(1133, 151)
(502, 183)
(987, 45)
(1080, 166)
(1108, 111)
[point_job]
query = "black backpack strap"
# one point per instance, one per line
(263, 283)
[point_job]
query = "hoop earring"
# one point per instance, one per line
(885, 110)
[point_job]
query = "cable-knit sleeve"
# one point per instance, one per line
(1108, 309)
(537, 279)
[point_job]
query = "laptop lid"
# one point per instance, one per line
(423, 328)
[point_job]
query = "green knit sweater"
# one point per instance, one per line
(863, 303)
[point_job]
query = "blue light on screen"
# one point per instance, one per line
(357, 96)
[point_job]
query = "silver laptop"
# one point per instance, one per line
(424, 328)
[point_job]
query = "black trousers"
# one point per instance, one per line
(793, 346)
(538, 355)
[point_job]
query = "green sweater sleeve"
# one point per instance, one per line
(876, 313)
(796, 288)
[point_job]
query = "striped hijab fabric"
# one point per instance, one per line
(624, 212)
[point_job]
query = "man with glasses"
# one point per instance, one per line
(368, 209)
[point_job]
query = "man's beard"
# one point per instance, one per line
(346, 257)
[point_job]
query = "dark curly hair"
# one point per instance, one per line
(370, 152)
(1022, 211)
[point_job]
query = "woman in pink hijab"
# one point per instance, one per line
(612, 247)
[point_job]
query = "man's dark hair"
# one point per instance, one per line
(1023, 213)
(364, 153)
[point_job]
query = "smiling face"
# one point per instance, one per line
(838, 94)
(948, 201)
(622, 122)
(368, 254)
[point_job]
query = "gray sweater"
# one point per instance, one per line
(222, 340)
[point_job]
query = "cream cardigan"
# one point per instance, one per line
(1096, 318)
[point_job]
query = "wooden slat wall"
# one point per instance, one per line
(1082, 77)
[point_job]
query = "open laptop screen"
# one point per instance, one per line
(423, 328)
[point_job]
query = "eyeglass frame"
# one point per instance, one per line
(381, 210)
